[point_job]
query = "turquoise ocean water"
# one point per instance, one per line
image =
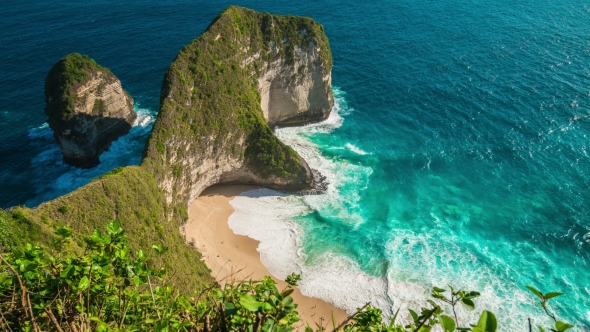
(457, 152)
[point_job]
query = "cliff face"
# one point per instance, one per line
(247, 72)
(295, 93)
(87, 109)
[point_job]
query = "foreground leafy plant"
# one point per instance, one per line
(110, 288)
(559, 325)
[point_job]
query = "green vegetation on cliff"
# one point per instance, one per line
(63, 76)
(130, 196)
(210, 103)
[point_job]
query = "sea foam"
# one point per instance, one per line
(272, 218)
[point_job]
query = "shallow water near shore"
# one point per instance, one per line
(457, 152)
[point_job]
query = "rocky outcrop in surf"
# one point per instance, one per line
(87, 109)
(246, 73)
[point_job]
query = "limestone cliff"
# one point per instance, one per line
(87, 108)
(295, 90)
(247, 72)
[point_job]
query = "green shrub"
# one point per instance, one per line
(112, 288)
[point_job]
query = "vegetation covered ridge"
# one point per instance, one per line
(129, 195)
(211, 127)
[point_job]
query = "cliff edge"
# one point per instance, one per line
(246, 73)
(87, 108)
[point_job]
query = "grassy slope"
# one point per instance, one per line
(129, 195)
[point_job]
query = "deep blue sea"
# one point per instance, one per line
(457, 152)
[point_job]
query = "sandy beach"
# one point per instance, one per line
(226, 253)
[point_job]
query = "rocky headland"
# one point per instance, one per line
(246, 73)
(221, 96)
(87, 109)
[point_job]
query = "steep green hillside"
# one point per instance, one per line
(129, 195)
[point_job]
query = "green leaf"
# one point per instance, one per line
(67, 272)
(84, 283)
(267, 307)
(487, 322)
(467, 303)
(287, 292)
(230, 308)
(101, 326)
(561, 326)
(551, 295)
(540, 328)
(287, 300)
(447, 323)
(471, 295)
(438, 290)
(64, 231)
(114, 228)
(536, 292)
(392, 321)
(249, 303)
(106, 240)
(414, 314)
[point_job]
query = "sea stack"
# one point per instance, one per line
(87, 109)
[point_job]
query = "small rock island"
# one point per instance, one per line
(87, 109)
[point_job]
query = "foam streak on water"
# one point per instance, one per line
(411, 262)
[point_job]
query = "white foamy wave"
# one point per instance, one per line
(144, 117)
(355, 149)
(265, 215)
(41, 131)
(270, 218)
(436, 260)
(342, 175)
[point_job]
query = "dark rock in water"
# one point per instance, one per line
(320, 185)
(87, 109)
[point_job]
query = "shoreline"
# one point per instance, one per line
(234, 257)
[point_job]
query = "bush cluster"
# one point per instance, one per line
(109, 287)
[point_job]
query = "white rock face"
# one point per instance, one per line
(296, 94)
